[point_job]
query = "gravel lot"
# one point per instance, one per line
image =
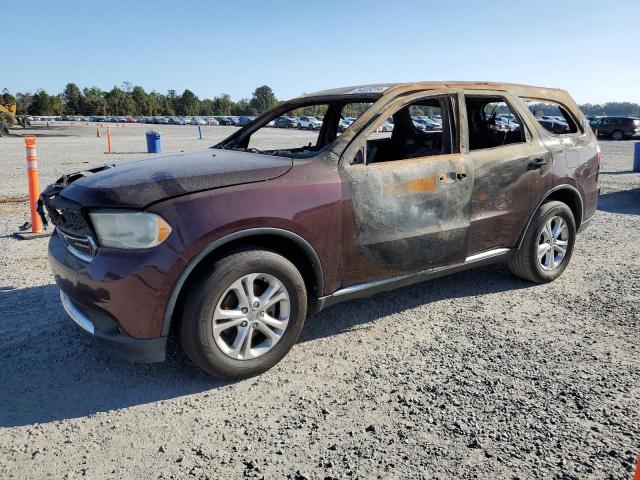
(477, 375)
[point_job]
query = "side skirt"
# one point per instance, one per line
(367, 289)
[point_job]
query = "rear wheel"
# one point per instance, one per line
(244, 315)
(617, 135)
(547, 246)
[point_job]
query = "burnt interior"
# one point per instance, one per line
(407, 140)
(484, 129)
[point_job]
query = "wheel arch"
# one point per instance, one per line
(288, 244)
(567, 194)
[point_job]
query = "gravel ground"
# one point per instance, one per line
(478, 375)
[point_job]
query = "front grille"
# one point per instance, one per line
(82, 247)
(65, 214)
(71, 220)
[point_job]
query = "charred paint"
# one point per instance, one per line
(411, 214)
(427, 184)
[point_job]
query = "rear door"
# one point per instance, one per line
(512, 170)
(609, 125)
(409, 191)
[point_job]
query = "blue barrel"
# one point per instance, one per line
(636, 157)
(153, 142)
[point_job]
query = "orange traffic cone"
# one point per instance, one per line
(98, 132)
(637, 474)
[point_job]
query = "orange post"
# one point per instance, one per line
(34, 187)
(108, 139)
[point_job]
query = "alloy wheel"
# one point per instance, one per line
(251, 316)
(553, 243)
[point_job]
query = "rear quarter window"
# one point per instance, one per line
(553, 117)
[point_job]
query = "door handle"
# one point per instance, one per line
(537, 163)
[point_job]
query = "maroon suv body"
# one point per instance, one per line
(298, 228)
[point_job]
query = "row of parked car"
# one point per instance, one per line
(211, 120)
(617, 128)
(315, 123)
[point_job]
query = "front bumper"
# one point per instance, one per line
(106, 333)
(118, 298)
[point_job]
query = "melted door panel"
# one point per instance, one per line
(406, 215)
(412, 214)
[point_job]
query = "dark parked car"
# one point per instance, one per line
(285, 122)
(231, 248)
(224, 121)
(242, 121)
(618, 128)
(554, 126)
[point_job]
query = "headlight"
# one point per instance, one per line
(129, 229)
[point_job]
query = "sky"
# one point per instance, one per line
(589, 48)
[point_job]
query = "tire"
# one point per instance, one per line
(205, 302)
(526, 263)
(617, 135)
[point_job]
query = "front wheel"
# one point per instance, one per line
(617, 135)
(547, 246)
(244, 315)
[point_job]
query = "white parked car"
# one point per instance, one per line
(426, 124)
(386, 127)
(311, 123)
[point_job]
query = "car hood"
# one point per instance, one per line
(140, 183)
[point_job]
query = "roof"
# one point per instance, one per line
(380, 89)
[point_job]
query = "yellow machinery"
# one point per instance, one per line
(8, 118)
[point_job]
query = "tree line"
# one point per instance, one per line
(133, 100)
(130, 100)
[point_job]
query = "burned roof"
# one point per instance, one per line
(380, 89)
(373, 92)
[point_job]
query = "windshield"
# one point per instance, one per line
(298, 130)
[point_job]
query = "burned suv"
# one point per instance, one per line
(233, 247)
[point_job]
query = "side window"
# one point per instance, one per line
(492, 122)
(423, 128)
(349, 113)
(554, 117)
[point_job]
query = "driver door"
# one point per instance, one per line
(408, 192)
